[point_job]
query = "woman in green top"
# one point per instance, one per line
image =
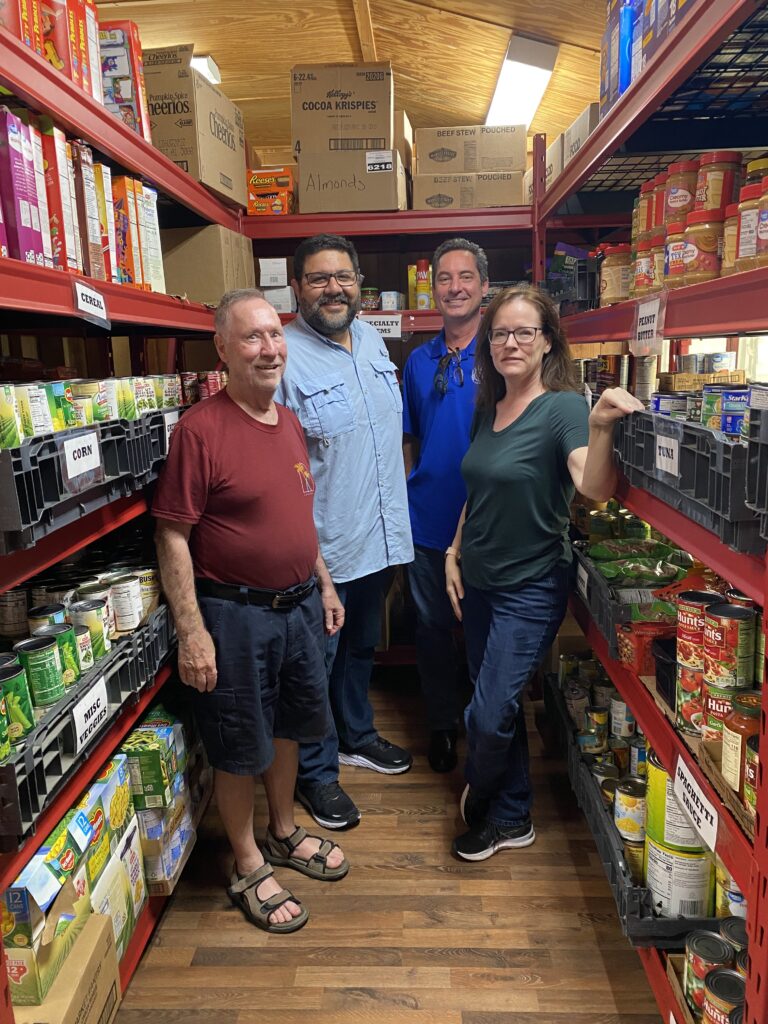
(534, 441)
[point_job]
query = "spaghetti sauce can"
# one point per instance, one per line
(729, 646)
(718, 704)
(704, 952)
(724, 990)
(689, 700)
(691, 609)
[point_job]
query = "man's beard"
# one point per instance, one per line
(325, 323)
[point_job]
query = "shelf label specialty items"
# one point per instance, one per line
(668, 455)
(171, 419)
(648, 334)
(696, 805)
(91, 305)
(90, 713)
(389, 325)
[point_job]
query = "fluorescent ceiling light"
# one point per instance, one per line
(523, 79)
(207, 67)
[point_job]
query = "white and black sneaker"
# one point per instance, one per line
(328, 804)
(484, 839)
(380, 755)
(473, 808)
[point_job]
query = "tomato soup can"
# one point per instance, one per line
(729, 645)
(64, 635)
(682, 884)
(724, 990)
(666, 822)
(704, 952)
(689, 699)
(718, 704)
(84, 648)
(18, 702)
(41, 661)
(629, 809)
(691, 608)
(93, 614)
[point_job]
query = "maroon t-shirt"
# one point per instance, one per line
(247, 490)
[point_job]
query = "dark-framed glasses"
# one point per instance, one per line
(450, 362)
(522, 335)
(345, 278)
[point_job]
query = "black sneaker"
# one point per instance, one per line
(328, 804)
(380, 755)
(484, 839)
(473, 808)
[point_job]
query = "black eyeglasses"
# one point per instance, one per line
(444, 368)
(522, 335)
(346, 278)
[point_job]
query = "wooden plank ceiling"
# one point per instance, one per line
(445, 54)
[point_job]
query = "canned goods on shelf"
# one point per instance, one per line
(629, 809)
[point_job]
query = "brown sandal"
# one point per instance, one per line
(244, 894)
(280, 853)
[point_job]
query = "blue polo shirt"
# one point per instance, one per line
(436, 491)
(350, 407)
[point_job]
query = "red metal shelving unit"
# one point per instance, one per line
(36, 82)
(41, 290)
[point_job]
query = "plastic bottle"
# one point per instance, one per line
(626, 33)
(423, 294)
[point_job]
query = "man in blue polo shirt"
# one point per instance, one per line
(438, 405)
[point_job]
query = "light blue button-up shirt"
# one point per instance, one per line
(350, 407)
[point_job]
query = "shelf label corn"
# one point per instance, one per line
(82, 454)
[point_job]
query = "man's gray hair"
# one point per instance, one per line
(461, 245)
(230, 299)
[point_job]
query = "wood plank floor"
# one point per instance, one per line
(412, 935)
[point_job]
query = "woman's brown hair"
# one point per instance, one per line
(557, 370)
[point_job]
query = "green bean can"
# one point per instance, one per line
(41, 661)
(15, 690)
(64, 635)
(5, 739)
(94, 615)
(84, 648)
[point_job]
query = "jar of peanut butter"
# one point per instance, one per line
(645, 211)
(615, 274)
(674, 265)
(749, 215)
(703, 246)
(762, 227)
(659, 196)
(730, 238)
(643, 269)
(680, 195)
(717, 185)
(756, 171)
(658, 253)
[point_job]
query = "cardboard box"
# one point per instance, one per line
(32, 138)
(203, 263)
(55, 33)
(90, 27)
(577, 133)
(155, 275)
(283, 299)
(102, 176)
(122, 75)
(24, 243)
(675, 974)
(467, 191)
(341, 107)
(138, 192)
(271, 190)
(273, 273)
(132, 860)
(403, 141)
(59, 198)
(110, 896)
(271, 156)
(614, 50)
(22, 19)
(471, 149)
(605, 71)
(343, 182)
(75, 217)
(554, 161)
(194, 123)
(88, 995)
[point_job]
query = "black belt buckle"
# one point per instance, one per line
(283, 600)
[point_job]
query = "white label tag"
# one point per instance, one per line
(379, 160)
(699, 809)
(273, 273)
(90, 303)
(82, 454)
(648, 333)
(89, 714)
(672, 1017)
(389, 325)
(171, 419)
(648, 320)
(582, 581)
(668, 455)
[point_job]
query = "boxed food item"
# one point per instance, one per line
(130, 856)
(57, 38)
(75, 218)
(271, 190)
(32, 145)
(151, 766)
(22, 19)
(273, 272)
(203, 263)
(164, 855)
(138, 194)
(122, 75)
(20, 211)
(111, 896)
(127, 245)
(403, 141)
(471, 148)
(102, 176)
(359, 180)
(283, 298)
(577, 134)
(59, 197)
(88, 211)
(136, 396)
(271, 156)
(90, 54)
(88, 995)
(159, 717)
(154, 273)
(467, 191)
(194, 123)
(341, 107)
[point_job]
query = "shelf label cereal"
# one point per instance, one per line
(91, 305)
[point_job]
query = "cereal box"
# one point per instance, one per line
(122, 74)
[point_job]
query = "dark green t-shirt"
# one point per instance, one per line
(519, 491)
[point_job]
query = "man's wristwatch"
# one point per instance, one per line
(453, 551)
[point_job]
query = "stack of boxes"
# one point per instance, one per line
(122, 75)
(469, 167)
(274, 280)
(272, 191)
(564, 149)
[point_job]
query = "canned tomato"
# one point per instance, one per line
(84, 648)
(190, 391)
(209, 383)
(742, 964)
(718, 704)
(93, 614)
(689, 701)
(637, 756)
(704, 952)
(64, 635)
(734, 931)
(751, 766)
(691, 608)
(629, 809)
(736, 1016)
(736, 597)
(724, 990)
(41, 661)
(729, 646)
(44, 615)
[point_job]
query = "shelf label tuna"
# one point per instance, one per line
(697, 806)
(668, 455)
(90, 714)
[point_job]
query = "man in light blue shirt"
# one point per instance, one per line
(342, 385)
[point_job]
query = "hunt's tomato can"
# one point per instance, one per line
(691, 607)
(729, 646)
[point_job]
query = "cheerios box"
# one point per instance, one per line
(151, 754)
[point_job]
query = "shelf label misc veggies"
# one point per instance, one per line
(697, 806)
(90, 714)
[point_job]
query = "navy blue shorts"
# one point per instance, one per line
(271, 682)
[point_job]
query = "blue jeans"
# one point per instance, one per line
(507, 633)
(349, 663)
(435, 646)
